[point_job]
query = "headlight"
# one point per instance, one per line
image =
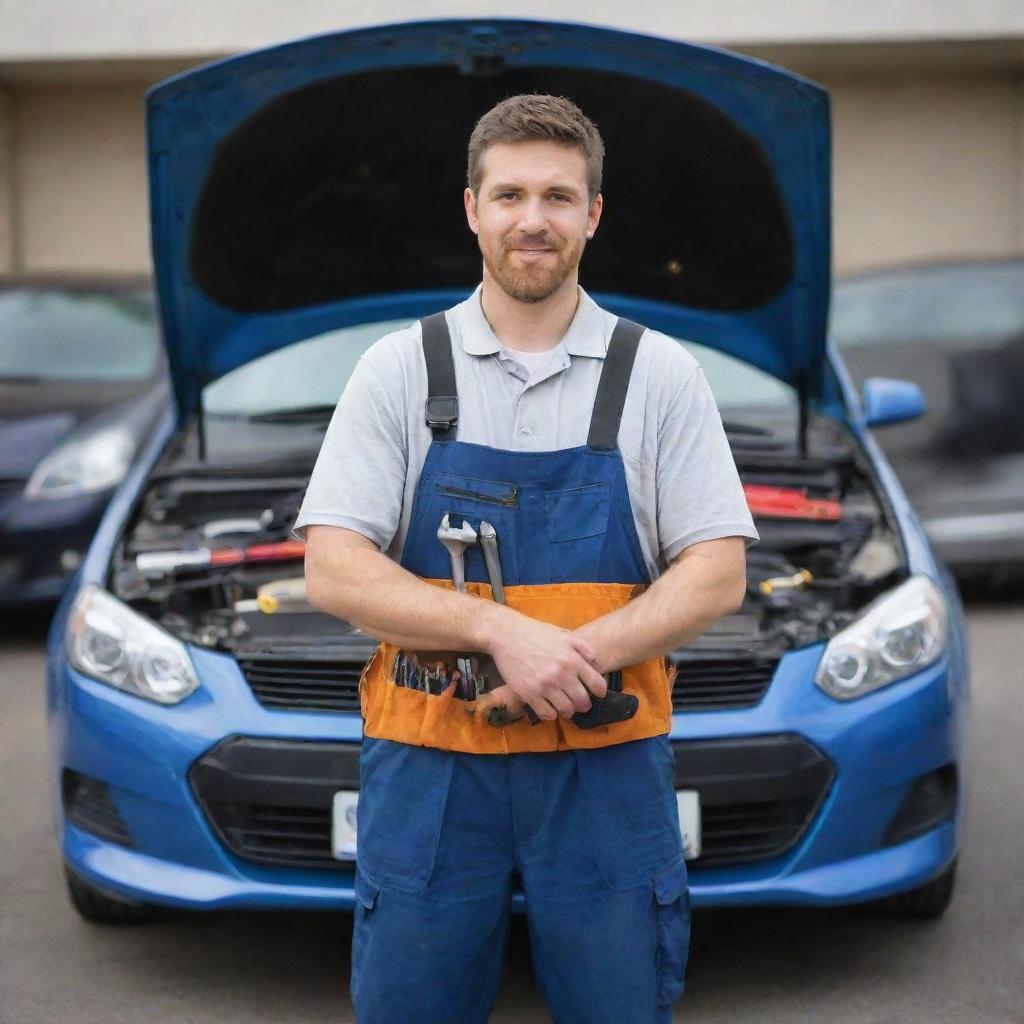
(899, 633)
(111, 643)
(92, 463)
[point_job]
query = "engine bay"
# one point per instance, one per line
(208, 553)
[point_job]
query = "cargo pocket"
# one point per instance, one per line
(402, 800)
(367, 895)
(577, 524)
(673, 912)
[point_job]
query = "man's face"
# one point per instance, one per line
(532, 216)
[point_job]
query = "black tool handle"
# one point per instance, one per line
(500, 716)
(615, 706)
(607, 710)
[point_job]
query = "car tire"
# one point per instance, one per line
(99, 907)
(926, 901)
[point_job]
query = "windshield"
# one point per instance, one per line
(962, 304)
(77, 334)
(311, 375)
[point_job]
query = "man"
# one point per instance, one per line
(595, 451)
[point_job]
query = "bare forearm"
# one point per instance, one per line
(358, 583)
(706, 582)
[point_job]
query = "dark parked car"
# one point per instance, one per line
(957, 330)
(83, 381)
(306, 200)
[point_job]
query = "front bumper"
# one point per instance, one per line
(876, 748)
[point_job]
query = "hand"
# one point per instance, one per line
(544, 666)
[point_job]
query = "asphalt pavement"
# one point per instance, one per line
(768, 966)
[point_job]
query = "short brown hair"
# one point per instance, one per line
(534, 116)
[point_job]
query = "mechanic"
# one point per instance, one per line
(594, 449)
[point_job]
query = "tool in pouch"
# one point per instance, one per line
(479, 675)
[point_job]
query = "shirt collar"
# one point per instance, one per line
(587, 334)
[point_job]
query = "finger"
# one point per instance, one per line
(514, 704)
(593, 680)
(577, 693)
(563, 705)
(501, 697)
(584, 649)
(544, 709)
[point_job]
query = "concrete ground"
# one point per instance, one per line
(769, 966)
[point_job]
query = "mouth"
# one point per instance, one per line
(532, 252)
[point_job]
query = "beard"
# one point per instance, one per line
(532, 282)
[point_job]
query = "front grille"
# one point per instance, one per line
(718, 683)
(292, 836)
(270, 800)
(303, 684)
(758, 794)
(329, 683)
(737, 833)
(88, 805)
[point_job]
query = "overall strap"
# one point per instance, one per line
(611, 391)
(442, 408)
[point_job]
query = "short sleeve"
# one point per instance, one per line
(359, 477)
(699, 493)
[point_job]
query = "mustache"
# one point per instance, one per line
(532, 242)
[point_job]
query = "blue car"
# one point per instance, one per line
(204, 720)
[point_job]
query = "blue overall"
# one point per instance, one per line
(591, 836)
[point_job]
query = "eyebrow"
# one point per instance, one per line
(510, 187)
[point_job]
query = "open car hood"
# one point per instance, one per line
(317, 184)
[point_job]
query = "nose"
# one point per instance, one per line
(534, 218)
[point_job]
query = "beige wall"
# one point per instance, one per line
(80, 179)
(6, 181)
(925, 166)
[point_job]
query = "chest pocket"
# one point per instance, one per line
(469, 488)
(475, 499)
(577, 521)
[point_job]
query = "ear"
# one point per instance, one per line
(470, 203)
(594, 214)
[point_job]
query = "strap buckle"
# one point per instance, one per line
(442, 411)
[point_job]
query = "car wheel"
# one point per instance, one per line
(101, 908)
(926, 901)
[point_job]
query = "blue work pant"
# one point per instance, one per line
(591, 836)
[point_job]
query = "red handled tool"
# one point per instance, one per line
(790, 503)
(164, 563)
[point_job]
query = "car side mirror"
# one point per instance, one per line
(891, 401)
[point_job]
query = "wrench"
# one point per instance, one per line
(489, 543)
(456, 539)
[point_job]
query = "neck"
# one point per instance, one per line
(529, 326)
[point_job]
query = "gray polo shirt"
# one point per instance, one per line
(682, 480)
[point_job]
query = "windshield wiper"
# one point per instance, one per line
(731, 427)
(752, 438)
(300, 414)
